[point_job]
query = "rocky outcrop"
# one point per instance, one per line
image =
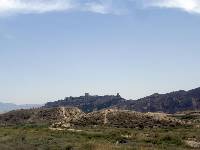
(68, 117)
(169, 103)
(46, 116)
(193, 143)
(127, 119)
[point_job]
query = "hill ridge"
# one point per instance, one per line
(168, 103)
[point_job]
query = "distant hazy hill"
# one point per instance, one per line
(5, 107)
(168, 103)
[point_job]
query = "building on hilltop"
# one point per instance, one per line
(118, 95)
(87, 96)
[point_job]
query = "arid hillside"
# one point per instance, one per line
(68, 117)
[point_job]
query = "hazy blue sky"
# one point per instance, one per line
(65, 47)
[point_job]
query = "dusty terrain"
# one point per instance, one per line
(67, 128)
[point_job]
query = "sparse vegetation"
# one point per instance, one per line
(109, 129)
(42, 138)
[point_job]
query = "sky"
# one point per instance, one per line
(58, 48)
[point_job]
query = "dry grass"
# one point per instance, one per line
(41, 138)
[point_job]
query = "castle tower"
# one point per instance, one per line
(118, 95)
(87, 96)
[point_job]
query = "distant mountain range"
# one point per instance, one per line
(169, 103)
(5, 107)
